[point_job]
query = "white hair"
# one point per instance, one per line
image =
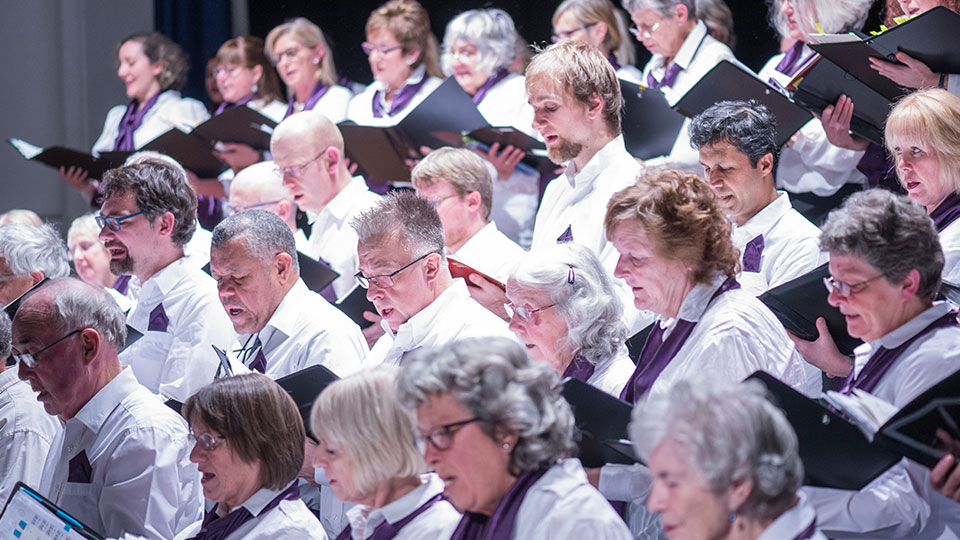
(28, 248)
(491, 31)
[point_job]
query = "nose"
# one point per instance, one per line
(23, 371)
(197, 455)
(618, 270)
(431, 456)
(105, 234)
(318, 462)
(516, 325)
(537, 122)
(374, 292)
(834, 298)
(656, 502)
(77, 253)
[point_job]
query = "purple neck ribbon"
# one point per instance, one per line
(158, 320)
(751, 254)
(500, 75)
(946, 212)
(808, 533)
(669, 77)
(884, 358)
(400, 100)
(318, 91)
(567, 236)
(130, 122)
(790, 62)
(498, 526)
(657, 352)
(327, 293)
(259, 362)
(122, 285)
(579, 368)
(224, 106)
(613, 61)
(387, 530)
(79, 469)
(217, 528)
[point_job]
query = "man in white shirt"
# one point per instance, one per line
(260, 186)
(147, 217)
(308, 148)
(737, 141)
(121, 463)
(404, 268)
(28, 254)
(456, 181)
(26, 430)
(283, 326)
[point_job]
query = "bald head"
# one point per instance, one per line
(310, 128)
(260, 186)
(308, 148)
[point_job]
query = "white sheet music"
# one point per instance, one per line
(26, 518)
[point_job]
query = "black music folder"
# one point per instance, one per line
(190, 151)
(238, 125)
(535, 160)
(28, 514)
(799, 302)
(727, 82)
(59, 156)
(380, 153)
(315, 275)
(601, 422)
(354, 304)
(650, 126)
(304, 386)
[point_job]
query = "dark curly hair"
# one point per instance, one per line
(159, 48)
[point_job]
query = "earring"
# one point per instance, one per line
(733, 517)
(506, 446)
(316, 61)
(254, 88)
(410, 62)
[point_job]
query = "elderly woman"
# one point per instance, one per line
(305, 63)
(601, 24)
(91, 260)
(564, 310)
(496, 430)
(725, 464)
(683, 52)
(367, 453)
(248, 444)
(404, 59)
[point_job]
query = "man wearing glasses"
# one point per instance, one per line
(260, 187)
(122, 463)
(405, 272)
(148, 215)
(28, 254)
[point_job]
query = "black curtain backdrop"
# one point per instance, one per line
(200, 28)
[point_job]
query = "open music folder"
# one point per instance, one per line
(60, 156)
(601, 424)
(28, 515)
(650, 126)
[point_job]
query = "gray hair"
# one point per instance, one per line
(463, 169)
(158, 187)
(28, 248)
(491, 31)
(83, 225)
(734, 435)
(494, 379)
(402, 215)
(747, 125)
(834, 16)
(77, 304)
(589, 305)
(265, 234)
(892, 233)
(6, 336)
(717, 16)
(662, 7)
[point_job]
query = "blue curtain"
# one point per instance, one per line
(200, 28)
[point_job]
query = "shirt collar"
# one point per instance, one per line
(340, 205)
(430, 486)
(169, 276)
(418, 327)
(415, 77)
(688, 50)
(286, 315)
(697, 300)
(259, 500)
(95, 412)
(596, 165)
(486, 231)
(792, 522)
(8, 378)
(765, 219)
(912, 327)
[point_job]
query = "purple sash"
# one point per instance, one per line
(567, 236)
(130, 122)
(752, 253)
(217, 528)
(400, 101)
(613, 61)
(498, 526)
(791, 63)
(883, 358)
(658, 352)
(318, 91)
(669, 77)
(946, 212)
(79, 469)
(579, 369)
(224, 106)
(122, 285)
(500, 75)
(387, 530)
(158, 321)
(807, 533)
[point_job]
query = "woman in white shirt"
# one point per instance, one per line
(367, 453)
(564, 311)
(601, 24)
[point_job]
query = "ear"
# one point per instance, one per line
(910, 285)
(411, 57)
(157, 68)
(503, 435)
(283, 266)
(164, 224)
(257, 71)
(284, 209)
(432, 266)
(680, 13)
(333, 161)
(600, 33)
(318, 52)
(37, 276)
(765, 164)
(90, 343)
(738, 493)
(473, 200)
(595, 108)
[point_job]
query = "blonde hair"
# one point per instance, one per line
(361, 413)
(463, 169)
(309, 35)
(593, 11)
(929, 119)
(410, 25)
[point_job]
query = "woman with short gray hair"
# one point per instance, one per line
(496, 429)
(725, 462)
(563, 309)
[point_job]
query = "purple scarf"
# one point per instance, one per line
(318, 91)
(387, 530)
(658, 352)
(579, 368)
(224, 106)
(217, 528)
(669, 77)
(613, 61)
(400, 101)
(791, 63)
(752, 253)
(883, 358)
(947, 212)
(500, 75)
(498, 526)
(130, 123)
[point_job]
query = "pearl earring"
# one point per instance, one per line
(316, 61)
(506, 446)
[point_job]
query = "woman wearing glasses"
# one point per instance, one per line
(368, 456)
(305, 63)
(498, 433)
(563, 309)
(248, 447)
(601, 24)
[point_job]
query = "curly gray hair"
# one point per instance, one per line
(734, 435)
(266, 235)
(491, 31)
(495, 380)
(893, 233)
(661, 7)
(29, 248)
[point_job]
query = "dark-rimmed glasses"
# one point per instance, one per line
(385, 281)
(441, 437)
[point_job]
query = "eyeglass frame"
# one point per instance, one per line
(229, 71)
(238, 209)
(447, 431)
(208, 442)
(365, 281)
(833, 284)
(524, 313)
(291, 52)
(369, 48)
(436, 202)
(644, 30)
(114, 223)
(30, 359)
(11, 276)
(296, 171)
(558, 36)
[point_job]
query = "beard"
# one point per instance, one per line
(124, 266)
(563, 151)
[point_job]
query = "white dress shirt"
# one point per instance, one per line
(306, 330)
(612, 373)
(142, 481)
(793, 523)
(178, 362)
(197, 249)
(360, 110)
(334, 240)
(698, 54)
(26, 433)
(452, 316)
(170, 110)
(950, 243)
(490, 252)
(791, 246)
(429, 525)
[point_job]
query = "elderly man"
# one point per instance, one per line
(26, 430)
(283, 327)
(28, 254)
(456, 181)
(738, 148)
(404, 268)
(121, 464)
(308, 148)
(261, 186)
(148, 215)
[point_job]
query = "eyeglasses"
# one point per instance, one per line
(30, 359)
(436, 202)
(229, 71)
(297, 170)
(207, 442)
(114, 222)
(368, 48)
(441, 437)
(8, 278)
(385, 281)
(238, 209)
(522, 312)
(846, 290)
(289, 53)
(560, 35)
(464, 55)
(644, 30)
